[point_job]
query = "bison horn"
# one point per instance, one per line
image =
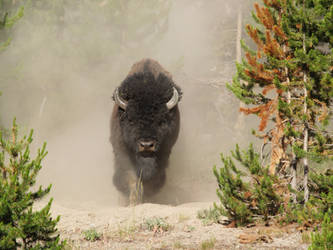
(119, 101)
(174, 99)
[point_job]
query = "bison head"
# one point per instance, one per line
(148, 118)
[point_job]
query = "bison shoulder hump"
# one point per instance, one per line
(149, 65)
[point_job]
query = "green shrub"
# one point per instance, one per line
(156, 224)
(242, 200)
(322, 192)
(209, 216)
(91, 235)
(20, 225)
(320, 202)
(323, 240)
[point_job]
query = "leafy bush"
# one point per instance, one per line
(20, 225)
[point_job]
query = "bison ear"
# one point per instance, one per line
(118, 100)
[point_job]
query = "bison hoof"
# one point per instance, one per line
(123, 200)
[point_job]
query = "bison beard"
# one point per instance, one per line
(146, 167)
(144, 127)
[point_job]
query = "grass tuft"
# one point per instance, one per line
(92, 235)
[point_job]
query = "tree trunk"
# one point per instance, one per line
(306, 166)
(293, 162)
(240, 120)
(305, 148)
(239, 36)
(306, 136)
(293, 166)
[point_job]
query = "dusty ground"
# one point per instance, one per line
(175, 227)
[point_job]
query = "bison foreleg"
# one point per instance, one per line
(129, 185)
(136, 191)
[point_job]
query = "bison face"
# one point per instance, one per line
(149, 119)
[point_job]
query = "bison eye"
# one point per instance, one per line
(121, 112)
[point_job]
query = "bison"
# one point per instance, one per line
(145, 124)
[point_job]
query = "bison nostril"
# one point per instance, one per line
(146, 145)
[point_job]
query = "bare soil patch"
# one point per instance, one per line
(154, 226)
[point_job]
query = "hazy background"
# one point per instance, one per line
(66, 59)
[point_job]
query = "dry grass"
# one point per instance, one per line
(208, 244)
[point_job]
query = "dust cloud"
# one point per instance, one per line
(61, 78)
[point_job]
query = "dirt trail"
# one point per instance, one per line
(128, 228)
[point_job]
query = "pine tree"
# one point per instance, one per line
(308, 27)
(288, 82)
(265, 68)
(242, 200)
(21, 226)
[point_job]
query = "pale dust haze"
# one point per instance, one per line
(64, 80)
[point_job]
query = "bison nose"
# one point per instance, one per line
(145, 145)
